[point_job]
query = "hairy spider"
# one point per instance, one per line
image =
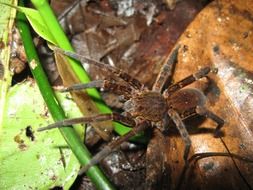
(144, 108)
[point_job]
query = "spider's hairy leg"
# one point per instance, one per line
(208, 114)
(186, 81)
(141, 126)
(166, 71)
(105, 84)
(104, 67)
(182, 130)
(90, 119)
(68, 10)
(198, 156)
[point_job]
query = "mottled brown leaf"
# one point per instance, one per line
(220, 37)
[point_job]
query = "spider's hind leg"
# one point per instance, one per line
(201, 110)
(182, 130)
(139, 127)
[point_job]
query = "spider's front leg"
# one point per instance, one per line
(107, 85)
(133, 82)
(166, 70)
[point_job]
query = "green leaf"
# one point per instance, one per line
(43, 163)
(36, 22)
(6, 22)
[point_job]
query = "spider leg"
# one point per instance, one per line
(201, 110)
(104, 67)
(182, 130)
(114, 145)
(105, 84)
(90, 119)
(68, 10)
(166, 71)
(186, 81)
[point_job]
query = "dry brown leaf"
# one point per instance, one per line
(221, 37)
(84, 102)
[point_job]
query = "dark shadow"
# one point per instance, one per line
(192, 125)
(17, 78)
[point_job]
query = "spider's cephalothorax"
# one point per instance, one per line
(145, 108)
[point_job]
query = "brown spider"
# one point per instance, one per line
(144, 108)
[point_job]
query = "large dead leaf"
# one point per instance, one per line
(221, 37)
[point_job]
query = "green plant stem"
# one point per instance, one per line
(72, 139)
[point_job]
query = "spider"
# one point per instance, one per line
(144, 108)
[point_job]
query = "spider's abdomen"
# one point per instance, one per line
(186, 100)
(149, 105)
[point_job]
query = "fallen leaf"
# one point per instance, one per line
(220, 37)
(84, 102)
